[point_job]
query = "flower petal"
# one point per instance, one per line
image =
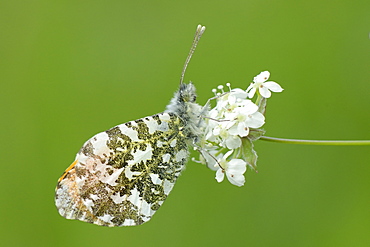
(262, 77)
(250, 87)
(237, 179)
(210, 160)
(233, 142)
(227, 154)
(255, 120)
(233, 130)
(243, 129)
(239, 93)
(273, 86)
(249, 107)
(265, 92)
(237, 166)
(217, 130)
(220, 175)
(252, 92)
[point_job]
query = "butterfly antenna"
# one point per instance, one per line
(197, 36)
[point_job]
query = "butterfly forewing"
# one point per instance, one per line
(122, 176)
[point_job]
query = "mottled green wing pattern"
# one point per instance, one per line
(121, 177)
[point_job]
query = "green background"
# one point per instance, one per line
(70, 69)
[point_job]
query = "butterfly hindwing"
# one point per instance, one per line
(122, 176)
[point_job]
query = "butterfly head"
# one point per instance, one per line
(187, 93)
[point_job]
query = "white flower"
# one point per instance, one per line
(231, 108)
(230, 100)
(242, 118)
(235, 102)
(225, 142)
(264, 86)
(230, 141)
(234, 170)
(208, 156)
(239, 93)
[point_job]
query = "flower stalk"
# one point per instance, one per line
(317, 142)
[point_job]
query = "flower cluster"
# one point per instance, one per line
(232, 125)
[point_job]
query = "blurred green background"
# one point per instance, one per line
(71, 69)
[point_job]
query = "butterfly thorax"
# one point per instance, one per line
(184, 106)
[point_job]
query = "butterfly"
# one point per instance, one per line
(120, 177)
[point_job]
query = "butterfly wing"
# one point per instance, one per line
(120, 177)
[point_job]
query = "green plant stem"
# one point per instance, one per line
(317, 142)
(259, 98)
